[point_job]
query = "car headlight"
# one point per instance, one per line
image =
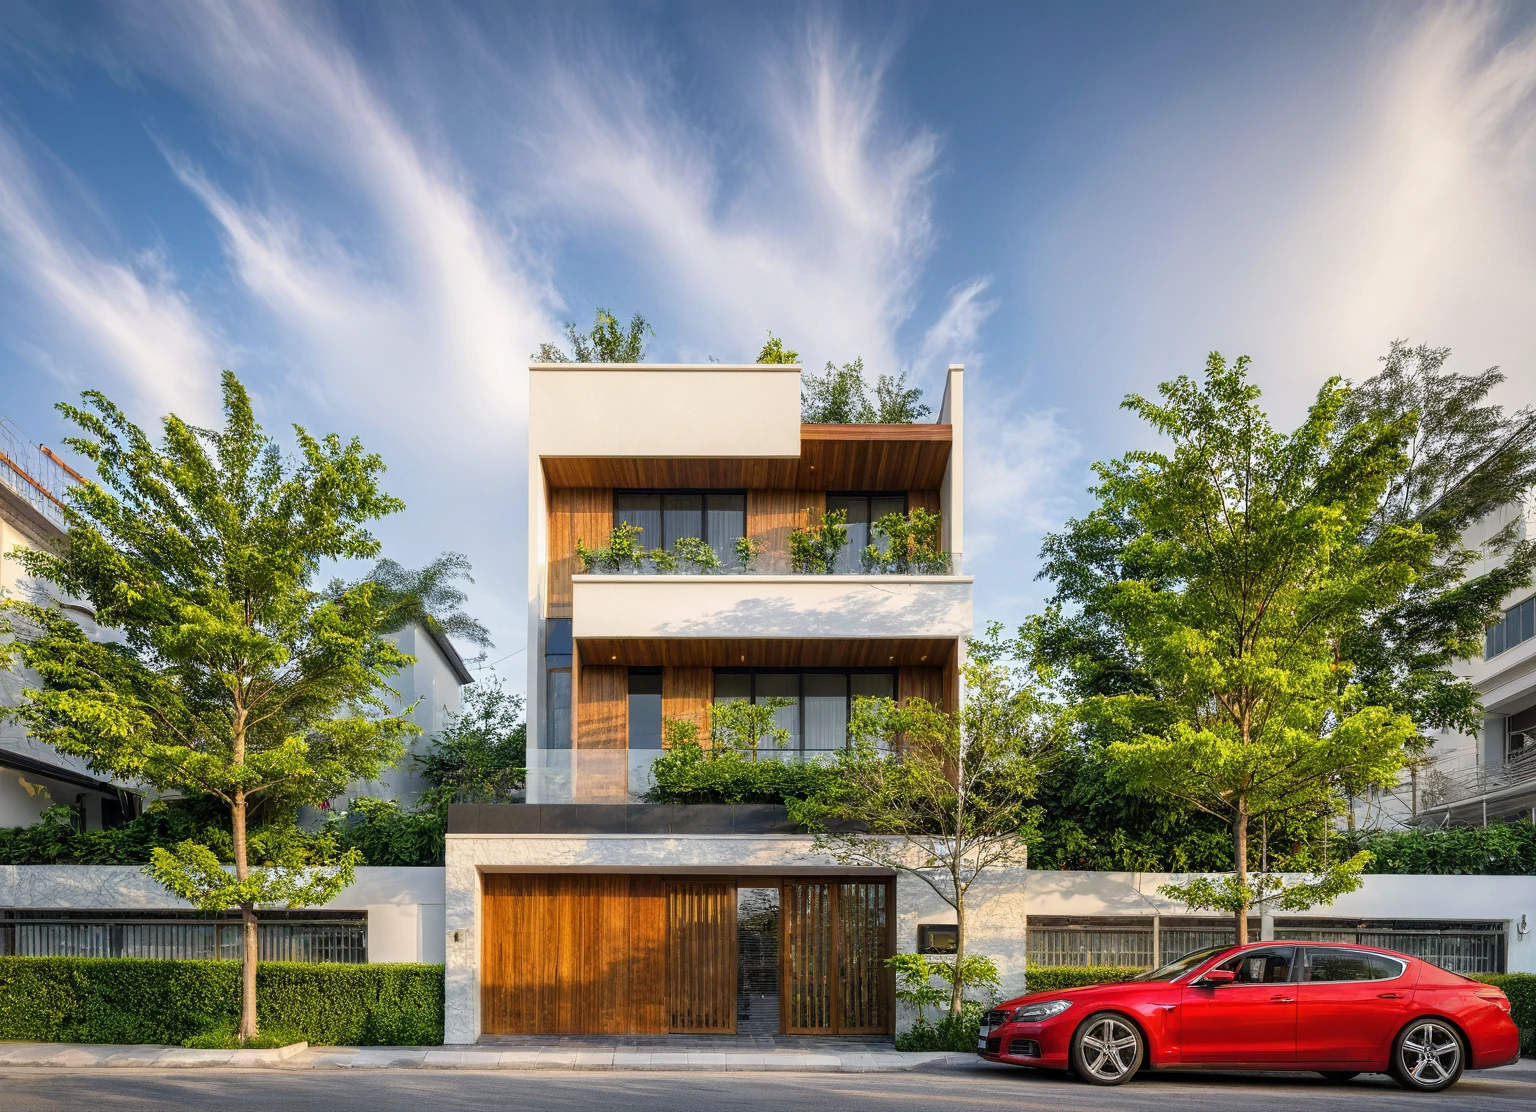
(1033, 1013)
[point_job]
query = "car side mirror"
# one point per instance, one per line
(1219, 977)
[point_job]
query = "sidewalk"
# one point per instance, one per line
(304, 1057)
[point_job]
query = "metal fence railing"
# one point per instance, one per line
(343, 942)
(32, 475)
(1464, 948)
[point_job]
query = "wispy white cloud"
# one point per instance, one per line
(953, 337)
(128, 318)
(818, 229)
(439, 309)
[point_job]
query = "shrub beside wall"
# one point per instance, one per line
(132, 1000)
(1521, 990)
(1050, 978)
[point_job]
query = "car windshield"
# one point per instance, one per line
(1183, 965)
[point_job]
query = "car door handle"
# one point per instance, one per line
(1389, 996)
(1283, 999)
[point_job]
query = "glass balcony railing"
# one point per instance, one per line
(928, 563)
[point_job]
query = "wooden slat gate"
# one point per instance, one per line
(836, 936)
(701, 956)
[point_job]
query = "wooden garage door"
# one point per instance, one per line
(574, 955)
(836, 936)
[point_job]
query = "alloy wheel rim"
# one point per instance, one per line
(1430, 1053)
(1109, 1049)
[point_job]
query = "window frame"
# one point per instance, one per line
(802, 751)
(855, 553)
(1524, 612)
(1306, 964)
(1260, 951)
(662, 492)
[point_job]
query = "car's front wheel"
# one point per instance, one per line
(1107, 1049)
(1428, 1055)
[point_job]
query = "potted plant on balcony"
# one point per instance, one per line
(813, 549)
(913, 545)
(622, 551)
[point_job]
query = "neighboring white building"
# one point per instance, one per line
(33, 776)
(586, 910)
(1472, 781)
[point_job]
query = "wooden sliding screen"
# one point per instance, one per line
(836, 937)
(701, 956)
(582, 954)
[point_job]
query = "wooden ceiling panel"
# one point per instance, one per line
(762, 652)
(832, 457)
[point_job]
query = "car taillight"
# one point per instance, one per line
(1496, 998)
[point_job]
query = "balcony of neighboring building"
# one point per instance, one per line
(1494, 782)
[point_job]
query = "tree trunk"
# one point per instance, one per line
(957, 990)
(247, 927)
(1240, 863)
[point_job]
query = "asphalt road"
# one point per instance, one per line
(971, 1090)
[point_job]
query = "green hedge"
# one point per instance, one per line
(1049, 978)
(1521, 990)
(133, 1000)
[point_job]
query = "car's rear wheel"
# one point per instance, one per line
(1338, 1077)
(1428, 1055)
(1107, 1049)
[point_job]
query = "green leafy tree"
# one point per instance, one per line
(608, 342)
(839, 396)
(1251, 555)
(774, 351)
(481, 755)
(896, 403)
(944, 798)
(1466, 459)
(430, 596)
(234, 677)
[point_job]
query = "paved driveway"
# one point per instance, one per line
(971, 1089)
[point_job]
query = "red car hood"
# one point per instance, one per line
(1081, 992)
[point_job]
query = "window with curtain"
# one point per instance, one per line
(863, 511)
(821, 700)
(664, 517)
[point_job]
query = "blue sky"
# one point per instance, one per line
(374, 213)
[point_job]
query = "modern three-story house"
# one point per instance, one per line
(589, 909)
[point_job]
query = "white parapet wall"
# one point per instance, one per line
(667, 411)
(404, 905)
(771, 606)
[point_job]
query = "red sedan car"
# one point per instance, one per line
(1334, 1009)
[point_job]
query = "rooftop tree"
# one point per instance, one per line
(233, 677)
(1229, 572)
(608, 342)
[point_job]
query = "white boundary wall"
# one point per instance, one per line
(404, 905)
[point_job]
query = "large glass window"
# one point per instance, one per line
(645, 708)
(1517, 627)
(666, 517)
(557, 709)
(820, 700)
(863, 511)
